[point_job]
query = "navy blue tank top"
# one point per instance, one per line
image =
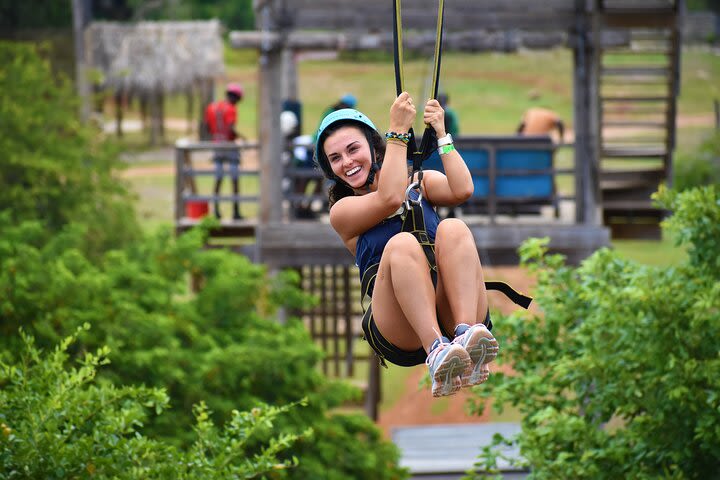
(370, 244)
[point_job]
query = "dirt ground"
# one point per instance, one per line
(417, 406)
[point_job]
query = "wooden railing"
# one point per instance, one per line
(191, 204)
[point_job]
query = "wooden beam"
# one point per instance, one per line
(303, 243)
(477, 40)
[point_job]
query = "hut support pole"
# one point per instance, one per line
(119, 112)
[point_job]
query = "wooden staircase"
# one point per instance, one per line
(639, 82)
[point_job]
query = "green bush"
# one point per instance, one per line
(59, 422)
(620, 376)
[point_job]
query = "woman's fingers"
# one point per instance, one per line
(402, 113)
(433, 112)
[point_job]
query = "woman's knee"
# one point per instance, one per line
(452, 231)
(404, 247)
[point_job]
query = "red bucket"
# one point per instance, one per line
(196, 209)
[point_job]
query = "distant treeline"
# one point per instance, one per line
(39, 14)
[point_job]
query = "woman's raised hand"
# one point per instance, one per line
(434, 115)
(402, 113)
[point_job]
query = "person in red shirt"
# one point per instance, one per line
(220, 119)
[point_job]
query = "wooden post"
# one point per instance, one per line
(190, 102)
(119, 112)
(179, 183)
(269, 128)
(289, 87)
(586, 54)
(81, 16)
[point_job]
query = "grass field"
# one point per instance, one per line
(489, 91)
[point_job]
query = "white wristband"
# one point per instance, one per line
(446, 140)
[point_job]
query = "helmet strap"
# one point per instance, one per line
(373, 161)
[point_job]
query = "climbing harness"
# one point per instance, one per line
(413, 222)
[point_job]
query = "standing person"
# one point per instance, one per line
(541, 121)
(409, 321)
(220, 118)
(452, 123)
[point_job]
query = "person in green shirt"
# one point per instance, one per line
(452, 124)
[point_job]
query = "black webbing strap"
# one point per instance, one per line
(428, 144)
(516, 297)
(414, 224)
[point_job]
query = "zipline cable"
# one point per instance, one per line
(428, 144)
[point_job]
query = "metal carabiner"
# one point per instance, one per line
(407, 194)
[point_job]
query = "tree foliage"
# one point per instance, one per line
(235, 14)
(53, 168)
(620, 376)
(218, 348)
(58, 422)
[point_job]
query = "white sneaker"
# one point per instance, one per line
(483, 348)
(446, 362)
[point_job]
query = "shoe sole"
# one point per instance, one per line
(483, 350)
(446, 379)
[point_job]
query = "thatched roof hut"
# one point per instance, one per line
(147, 57)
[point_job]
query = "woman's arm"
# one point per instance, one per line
(351, 216)
(456, 186)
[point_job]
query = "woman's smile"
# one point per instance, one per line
(353, 171)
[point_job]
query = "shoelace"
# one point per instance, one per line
(438, 345)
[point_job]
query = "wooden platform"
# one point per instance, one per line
(448, 451)
(302, 243)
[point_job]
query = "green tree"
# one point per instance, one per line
(220, 345)
(59, 422)
(54, 169)
(620, 376)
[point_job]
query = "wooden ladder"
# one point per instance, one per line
(639, 82)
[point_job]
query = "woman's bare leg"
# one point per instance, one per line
(403, 298)
(461, 294)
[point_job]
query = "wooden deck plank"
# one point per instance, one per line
(451, 449)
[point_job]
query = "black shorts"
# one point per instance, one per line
(387, 351)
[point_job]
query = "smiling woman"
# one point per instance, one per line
(417, 313)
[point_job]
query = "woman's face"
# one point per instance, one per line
(348, 152)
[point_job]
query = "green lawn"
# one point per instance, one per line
(489, 91)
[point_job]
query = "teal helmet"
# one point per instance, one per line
(345, 116)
